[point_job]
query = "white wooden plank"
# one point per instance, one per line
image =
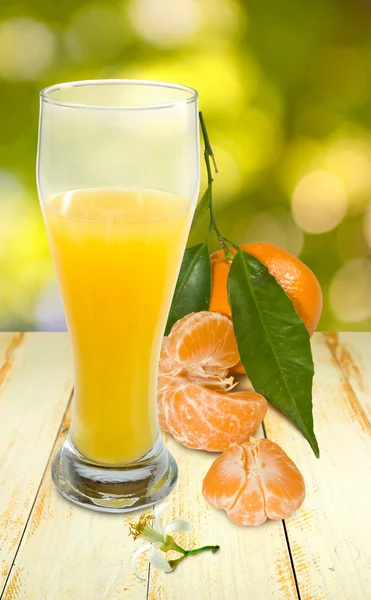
(34, 392)
(5, 338)
(79, 542)
(252, 562)
(8, 346)
(352, 352)
(69, 552)
(330, 535)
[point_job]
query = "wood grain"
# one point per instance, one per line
(9, 343)
(251, 563)
(69, 552)
(329, 536)
(35, 385)
(352, 354)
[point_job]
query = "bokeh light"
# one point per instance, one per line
(350, 291)
(23, 268)
(222, 22)
(300, 156)
(276, 227)
(95, 31)
(165, 23)
(350, 241)
(341, 63)
(226, 187)
(27, 49)
(13, 191)
(319, 202)
(287, 110)
(48, 313)
(350, 161)
(258, 133)
(219, 88)
(367, 225)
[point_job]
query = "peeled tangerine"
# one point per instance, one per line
(195, 403)
(253, 482)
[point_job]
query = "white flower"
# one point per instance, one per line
(158, 535)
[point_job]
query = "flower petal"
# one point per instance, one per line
(134, 560)
(178, 525)
(150, 534)
(159, 509)
(157, 545)
(158, 560)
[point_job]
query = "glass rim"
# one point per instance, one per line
(45, 94)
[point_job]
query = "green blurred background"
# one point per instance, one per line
(285, 88)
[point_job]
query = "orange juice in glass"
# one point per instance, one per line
(118, 178)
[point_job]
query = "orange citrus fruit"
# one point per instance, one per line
(297, 280)
(195, 403)
(253, 482)
(204, 339)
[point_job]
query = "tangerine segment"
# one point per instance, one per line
(205, 419)
(263, 483)
(225, 478)
(203, 339)
(167, 386)
(168, 366)
(249, 506)
(284, 488)
(238, 368)
(297, 280)
(208, 374)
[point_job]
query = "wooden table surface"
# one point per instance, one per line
(53, 550)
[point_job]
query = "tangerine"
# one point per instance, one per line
(297, 280)
(195, 403)
(253, 482)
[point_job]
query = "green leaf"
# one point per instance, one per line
(201, 210)
(193, 288)
(273, 342)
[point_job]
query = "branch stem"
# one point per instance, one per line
(203, 549)
(195, 550)
(208, 153)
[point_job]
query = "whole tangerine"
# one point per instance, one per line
(296, 279)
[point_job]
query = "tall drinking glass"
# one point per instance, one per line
(118, 179)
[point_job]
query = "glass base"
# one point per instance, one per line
(114, 489)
